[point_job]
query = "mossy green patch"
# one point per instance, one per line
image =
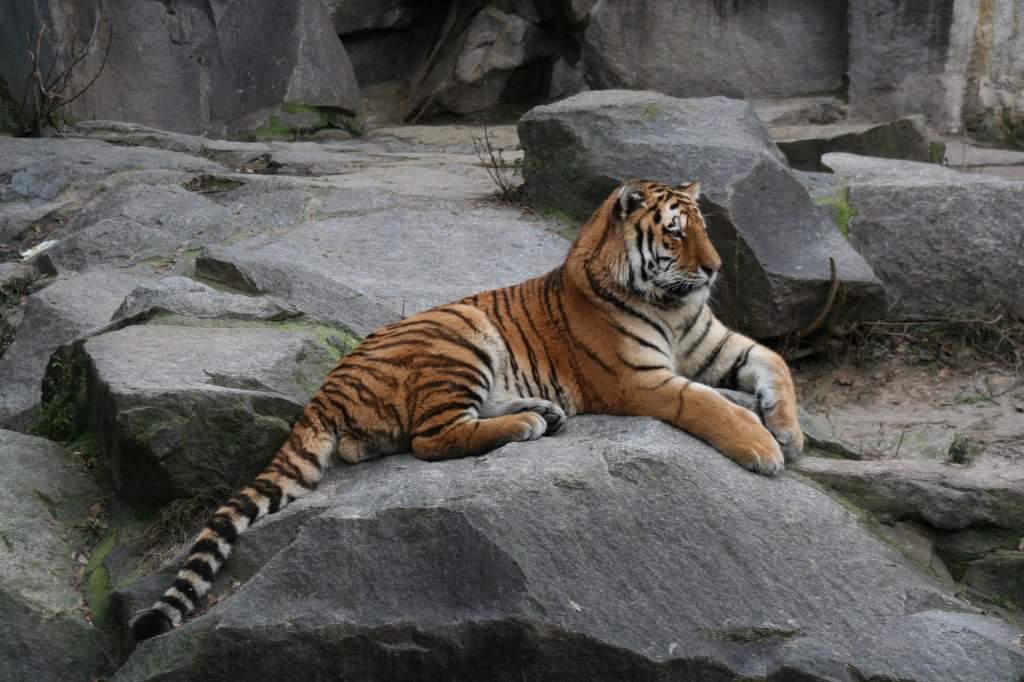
(937, 151)
(338, 341)
(1012, 126)
(97, 581)
(652, 111)
(295, 119)
(844, 211)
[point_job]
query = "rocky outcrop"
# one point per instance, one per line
(44, 632)
(619, 549)
(945, 244)
(234, 68)
(169, 404)
(774, 243)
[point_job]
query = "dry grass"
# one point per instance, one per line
(177, 524)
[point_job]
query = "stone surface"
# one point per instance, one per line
(945, 244)
(942, 495)
(223, 69)
(804, 145)
(137, 223)
(365, 271)
(65, 310)
(43, 633)
(774, 242)
(738, 49)
(620, 549)
(177, 409)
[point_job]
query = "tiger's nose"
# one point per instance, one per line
(710, 269)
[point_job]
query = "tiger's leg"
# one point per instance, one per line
(466, 435)
(720, 357)
(703, 412)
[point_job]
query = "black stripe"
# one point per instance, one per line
(639, 339)
(578, 343)
(187, 589)
(438, 410)
(732, 379)
(176, 603)
(221, 525)
(714, 354)
(200, 567)
(210, 547)
(245, 506)
(271, 491)
(693, 346)
(438, 427)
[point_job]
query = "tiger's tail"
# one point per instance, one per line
(296, 469)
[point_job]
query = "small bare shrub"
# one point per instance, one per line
(52, 92)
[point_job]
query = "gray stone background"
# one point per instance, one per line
(248, 188)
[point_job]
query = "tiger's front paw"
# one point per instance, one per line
(781, 419)
(751, 445)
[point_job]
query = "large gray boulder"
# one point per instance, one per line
(67, 309)
(179, 409)
(230, 68)
(44, 634)
(774, 242)
(367, 270)
(945, 244)
(619, 549)
(698, 49)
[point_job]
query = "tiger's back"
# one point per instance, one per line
(613, 330)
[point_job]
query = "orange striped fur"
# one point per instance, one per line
(622, 327)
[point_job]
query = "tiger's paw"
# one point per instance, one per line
(781, 419)
(553, 415)
(753, 446)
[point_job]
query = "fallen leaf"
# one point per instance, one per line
(575, 605)
(943, 373)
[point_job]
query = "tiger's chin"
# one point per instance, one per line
(683, 292)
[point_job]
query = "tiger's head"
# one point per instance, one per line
(668, 256)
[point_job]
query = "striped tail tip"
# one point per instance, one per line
(150, 623)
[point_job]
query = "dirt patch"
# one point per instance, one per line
(904, 401)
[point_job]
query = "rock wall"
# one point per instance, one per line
(243, 69)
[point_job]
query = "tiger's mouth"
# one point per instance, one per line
(683, 287)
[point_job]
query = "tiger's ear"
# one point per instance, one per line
(692, 190)
(631, 197)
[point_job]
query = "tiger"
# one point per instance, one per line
(622, 327)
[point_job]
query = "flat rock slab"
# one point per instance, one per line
(179, 409)
(60, 313)
(945, 244)
(804, 145)
(41, 176)
(43, 634)
(774, 241)
(367, 270)
(619, 549)
(943, 495)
